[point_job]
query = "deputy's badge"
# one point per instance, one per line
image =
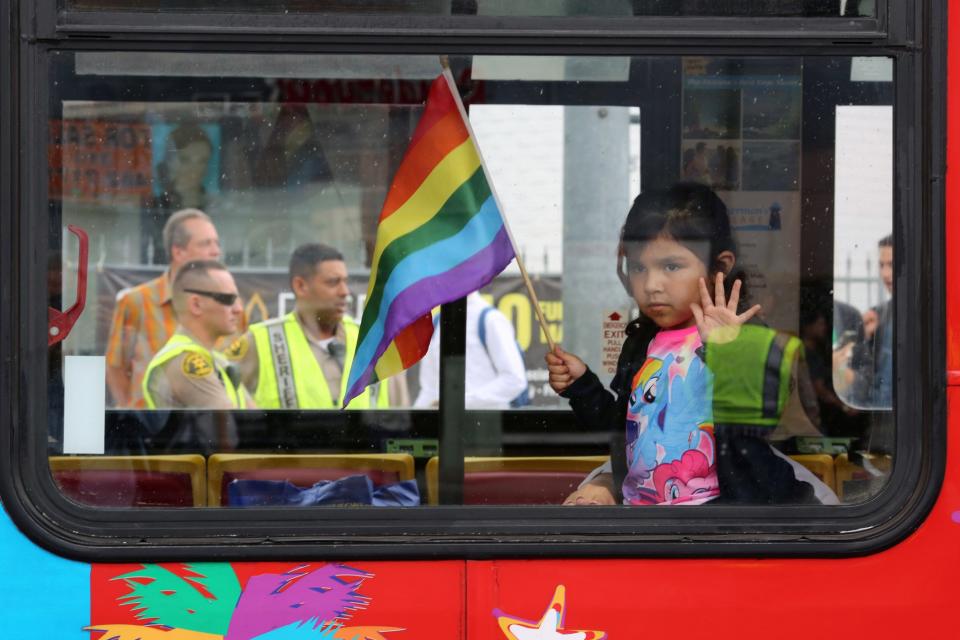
(196, 365)
(237, 349)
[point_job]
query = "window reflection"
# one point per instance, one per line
(274, 194)
(862, 332)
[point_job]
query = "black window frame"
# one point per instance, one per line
(40, 510)
(55, 17)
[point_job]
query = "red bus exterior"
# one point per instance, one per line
(903, 590)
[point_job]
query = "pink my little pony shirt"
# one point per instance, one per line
(671, 450)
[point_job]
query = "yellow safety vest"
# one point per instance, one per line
(752, 376)
(282, 344)
(177, 344)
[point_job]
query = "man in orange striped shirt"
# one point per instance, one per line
(144, 320)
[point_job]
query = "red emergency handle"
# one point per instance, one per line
(59, 323)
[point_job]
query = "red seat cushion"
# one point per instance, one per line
(126, 488)
(519, 487)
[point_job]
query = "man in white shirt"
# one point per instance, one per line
(495, 372)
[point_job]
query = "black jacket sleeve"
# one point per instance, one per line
(601, 411)
(594, 406)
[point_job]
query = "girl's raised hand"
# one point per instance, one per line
(717, 319)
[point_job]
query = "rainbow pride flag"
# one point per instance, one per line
(440, 236)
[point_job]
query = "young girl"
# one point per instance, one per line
(696, 386)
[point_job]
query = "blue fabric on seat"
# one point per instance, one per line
(349, 490)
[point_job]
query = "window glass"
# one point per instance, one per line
(849, 8)
(183, 382)
(862, 341)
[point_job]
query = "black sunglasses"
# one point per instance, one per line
(226, 299)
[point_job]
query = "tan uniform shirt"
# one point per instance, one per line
(190, 381)
(243, 352)
(143, 321)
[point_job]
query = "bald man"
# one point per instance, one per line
(186, 373)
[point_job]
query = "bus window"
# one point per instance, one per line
(805, 8)
(864, 277)
(232, 204)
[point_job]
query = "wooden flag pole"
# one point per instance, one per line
(444, 62)
(532, 294)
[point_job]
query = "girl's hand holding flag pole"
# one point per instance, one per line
(441, 235)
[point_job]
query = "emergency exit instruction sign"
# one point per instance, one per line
(611, 339)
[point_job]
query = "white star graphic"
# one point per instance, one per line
(550, 626)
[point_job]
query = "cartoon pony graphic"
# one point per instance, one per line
(689, 479)
(670, 425)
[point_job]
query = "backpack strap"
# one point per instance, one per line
(523, 398)
(482, 328)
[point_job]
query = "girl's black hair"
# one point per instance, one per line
(687, 213)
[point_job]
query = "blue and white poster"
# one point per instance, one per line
(186, 158)
(742, 120)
